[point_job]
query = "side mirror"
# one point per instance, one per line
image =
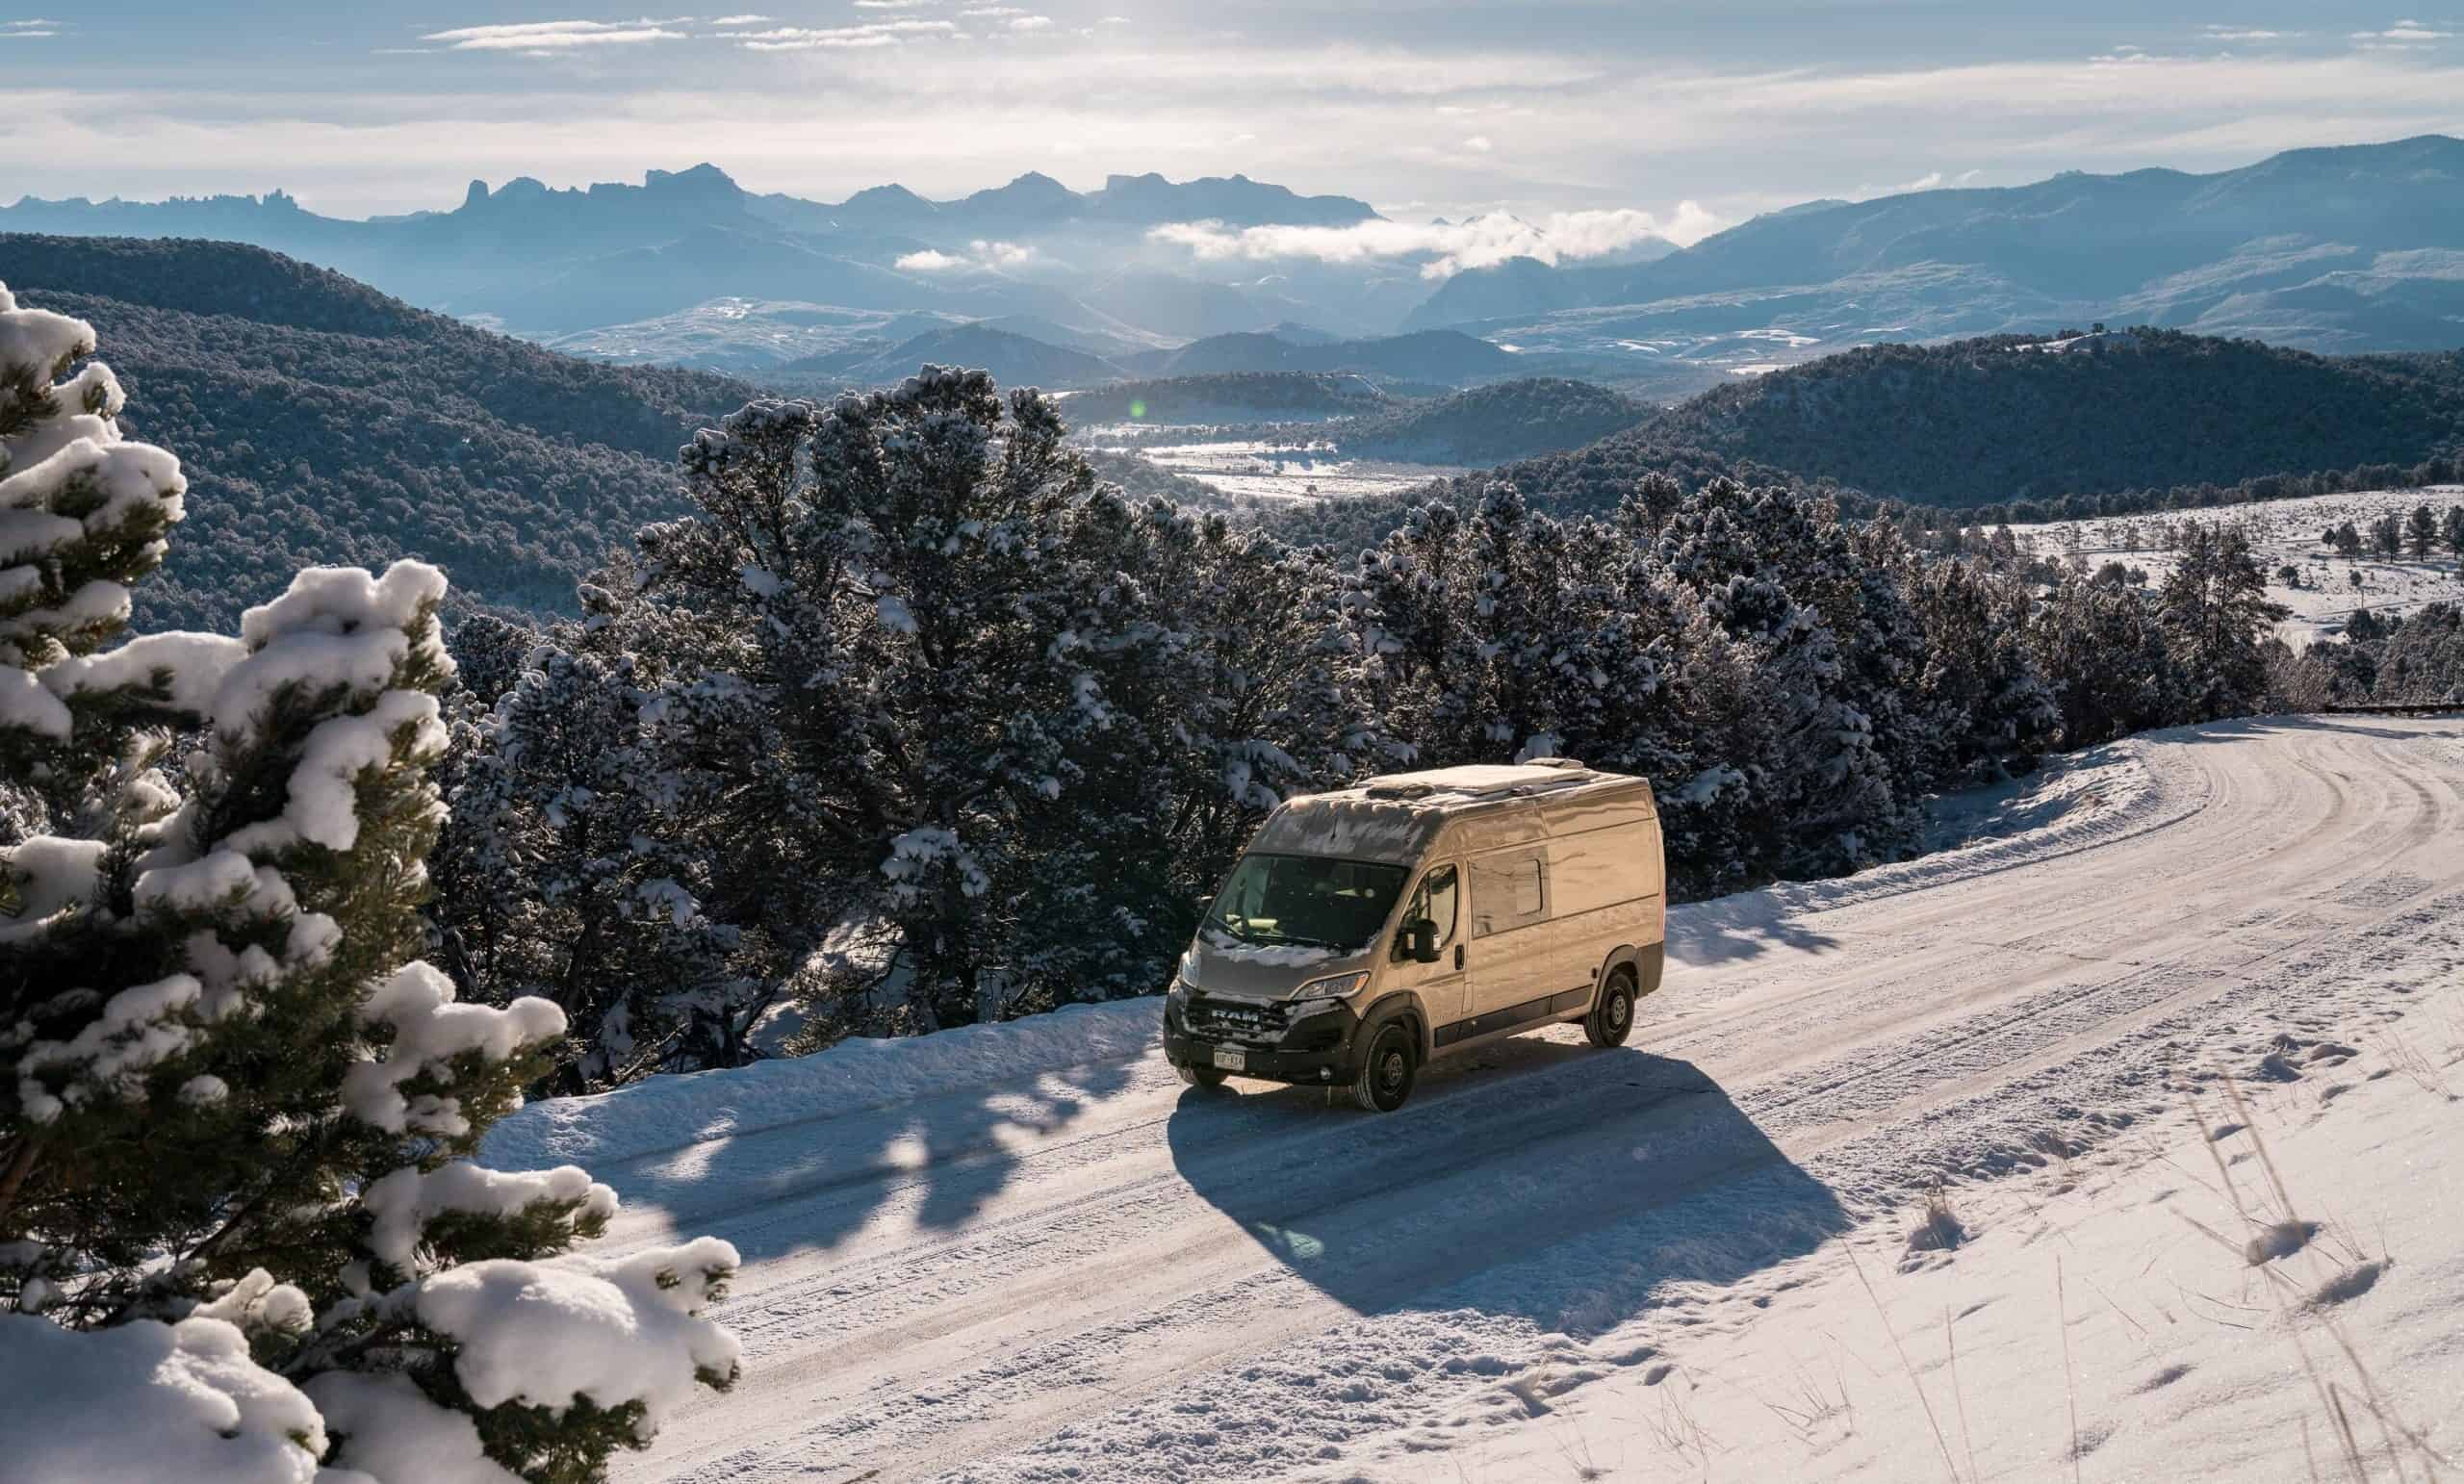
(1419, 940)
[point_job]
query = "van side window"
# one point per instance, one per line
(1437, 899)
(1508, 892)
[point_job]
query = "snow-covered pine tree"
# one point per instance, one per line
(886, 648)
(1258, 694)
(1821, 795)
(2216, 613)
(2101, 654)
(1985, 710)
(239, 1225)
(566, 870)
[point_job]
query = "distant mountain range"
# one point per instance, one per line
(2343, 249)
(2352, 249)
(550, 262)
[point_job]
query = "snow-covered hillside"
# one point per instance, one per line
(2284, 532)
(994, 1262)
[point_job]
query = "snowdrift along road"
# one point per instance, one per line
(1089, 1272)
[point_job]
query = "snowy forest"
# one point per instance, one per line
(909, 723)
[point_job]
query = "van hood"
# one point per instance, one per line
(1267, 971)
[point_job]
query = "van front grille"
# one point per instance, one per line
(1235, 1020)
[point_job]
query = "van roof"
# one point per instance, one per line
(1475, 783)
(1396, 815)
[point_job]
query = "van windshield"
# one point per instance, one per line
(1311, 899)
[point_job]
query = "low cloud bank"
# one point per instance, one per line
(1476, 241)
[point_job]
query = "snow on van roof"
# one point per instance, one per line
(1394, 816)
(1476, 780)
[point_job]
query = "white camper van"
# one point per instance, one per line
(1419, 914)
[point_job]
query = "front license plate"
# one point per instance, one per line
(1228, 1059)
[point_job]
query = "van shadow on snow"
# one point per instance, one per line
(1570, 1192)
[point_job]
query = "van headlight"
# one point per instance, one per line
(1186, 979)
(1317, 994)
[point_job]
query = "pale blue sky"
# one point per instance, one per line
(1415, 106)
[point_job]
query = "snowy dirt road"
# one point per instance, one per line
(1095, 1274)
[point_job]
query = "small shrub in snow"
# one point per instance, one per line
(235, 1112)
(1939, 1228)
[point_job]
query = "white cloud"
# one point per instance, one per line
(2215, 33)
(738, 20)
(1030, 23)
(2405, 33)
(1929, 181)
(871, 34)
(1480, 242)
(31, 30)
(553, 36)
(990, 12)
(980, 254)
(893, 4)
(1480, 144)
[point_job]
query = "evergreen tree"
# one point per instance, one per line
(1823, 796)
(2216, 613)
(567, 873)
(1988, 712)
(937, 693)
(2421, 531)
(2387, 537)
(236, 1114)
(2452, 531)
(2103, 655)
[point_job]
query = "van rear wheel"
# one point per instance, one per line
(1207, 1077)
(1388, 1073)
(1613, 1019)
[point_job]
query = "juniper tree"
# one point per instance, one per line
(235, 1112)
(2420, 532)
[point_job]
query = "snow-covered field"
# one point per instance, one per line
(2285, 532)
(981, 1256)
(1277, 471)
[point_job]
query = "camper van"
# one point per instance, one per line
(1419, 915)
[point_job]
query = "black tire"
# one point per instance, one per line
(1612, 1017)
(1388, 1071)
(1209, 1078)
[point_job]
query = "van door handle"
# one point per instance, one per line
(1459, 956)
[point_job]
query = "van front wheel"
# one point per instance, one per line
(1209, 1078)
(1612, 1018)
(1387, 1073)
